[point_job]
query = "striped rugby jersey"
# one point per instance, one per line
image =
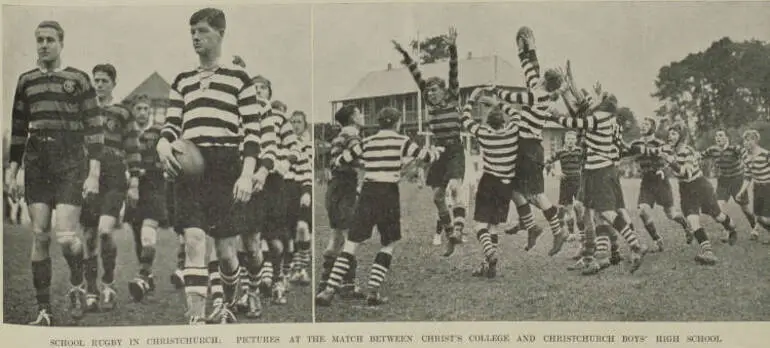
(61, 102)
(757, 166)
(346, 139)
(570, 159)
(534, 111)
(600, 127)
(728, 159)
(148, 141)
(121, 137)
(686, 166)
(302, 170)
(286, 146)
(209, 108)
(649, 163)
(444, 121)
(383, 155)
(499, 148)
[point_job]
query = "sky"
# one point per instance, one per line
(621, 45)
(274, 40)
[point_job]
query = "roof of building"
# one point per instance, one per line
(472, 72)
(155, 87)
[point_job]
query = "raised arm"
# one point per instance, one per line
(588, 123)
(454, 83)
(412, 65)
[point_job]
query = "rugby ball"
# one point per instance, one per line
(189, 158)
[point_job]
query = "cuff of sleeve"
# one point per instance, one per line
(250, 149)
(307, 189)
(268, 163)
(170, 136)
(95, 152)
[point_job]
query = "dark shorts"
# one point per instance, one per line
(54, 172)
(293, 192)
(762, 200)
(341, 197)
(601, 189)
(379, 205)
(654, 190)
(568, 189)
(153, 201)
(272, 201)
(112, 193)
(493, 199)
(530, 164)
(207, 202)
(698, 197)
(728, 187)
(451, 165)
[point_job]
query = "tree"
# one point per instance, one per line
(432, 49)
(626, 118)
(725, 86)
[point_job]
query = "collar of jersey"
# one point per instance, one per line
(60, 68)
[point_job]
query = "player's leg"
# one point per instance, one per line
(436, 181)
(40, 215)
(388, 223)
(530, 165)
(745, 204)
(761, 206)
(89, 220)
(304, 238)
(526, 218)
(108, 248)
(456, 195)
(691, 194)
(525, 42)
(665, 197)
(144, 282)
(647, 200)
(189, 218)
(708, 205)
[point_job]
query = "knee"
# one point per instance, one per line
(439, 197)
(194, 238)
(41, 236)
(66, 237)
(149, 235)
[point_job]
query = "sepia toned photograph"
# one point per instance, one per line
(157, 165)
(542, 162)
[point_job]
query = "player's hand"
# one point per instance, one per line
(259, 179)
(242, 189)
(304, 201)
(91, 186)
(474, 97)
(132, 196)
(165, 151)
(661, 174)
(451, 38)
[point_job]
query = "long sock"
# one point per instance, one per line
(267, 270)
(253, 269)
(327, 267)
(340, 269)
(752, 219)
(459, 218)
(244, 280)
(379, 270)
(215, 283)
(147, 259)
(180, 257)
(75, 263)
(650, 227)
(525, 217)
(109, 254)
(494, 238)
(350, 276)
(681, 221)
(703, 240)
(487, 246)
(230, 282)
(531, 67)
(727, 223)
(41, 280)
(286, 262)
(444, 220)
(625, 230)
(276, 260)
(303, 250)
(195, 281)
(614, 246)
(91, 273)
(603, 233)
(552, 215)
(136, 229)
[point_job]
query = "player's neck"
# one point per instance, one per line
(143, 126)
(49, 65)
(210, 60)
(104, 100)
(725, 145)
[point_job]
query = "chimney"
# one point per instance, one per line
(470, 55)
(390, 66)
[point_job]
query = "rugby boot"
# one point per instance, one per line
(637, 257)
(525, 39)
(706, 258)
(92, 303)
(303, 277)
(221, 314)
(591, 267)
(325, 297)
(138, 288)
(109, 297)
(77, 302)
(254, 305)
(351, 292)
(453, 239)
(532, 236)
(279, 293)
(375, 299)
(578, 265)
(177, 279)
(482, 270)
(43, 318)
(558, 243)
(732, 237)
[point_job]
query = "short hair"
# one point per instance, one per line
(344, 116)
(388, 117)
(435, 81)
(751, 133)
(301, 114)
(278, 105)
(495, 118)
(266, 82)
(53, 25)
(142, 98)
(213, 16)
(108, 69)
(721, 131)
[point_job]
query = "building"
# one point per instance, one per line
(157, 89)
(394, 87)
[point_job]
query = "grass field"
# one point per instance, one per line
(424, 286)
(166, 306)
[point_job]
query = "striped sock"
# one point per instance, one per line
(681, 221)
(215, 283)
(254, 270)
(727, 223)
(91, 273)
(109, 256)
(267, 271)
(626, 230)
(603, 233)
(752, 219)
(459, 217)
(229, 282)
(379, 270)
(303, 250)
(531, 67)
(526, 218)
(487, 246)
(703, 240)
(494, 238)
(327, 267)
(340, 269)
(552, 214)
(195, 280)
(243, 261)
(286, 263)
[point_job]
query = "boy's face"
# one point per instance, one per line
(103, 84)
(48, 44)
(205, 38)
(357, 118)
(435, 94)
(750, 141)
(298, 123)
(673, 136)
(142, 113)
(645, 127)
(263, 91)
(570, 139)
(721, 138)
